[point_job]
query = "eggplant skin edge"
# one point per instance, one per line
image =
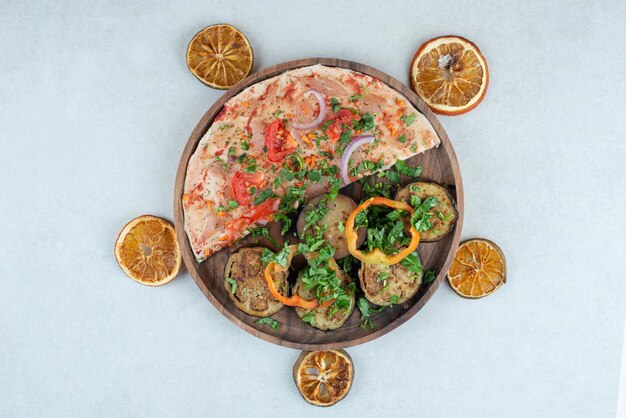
(446, 206)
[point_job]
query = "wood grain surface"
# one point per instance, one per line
(439, 165)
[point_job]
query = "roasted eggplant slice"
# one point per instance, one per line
(388, 284)
(444, 214)
(245, 284)
(333, 214)
(319, 317)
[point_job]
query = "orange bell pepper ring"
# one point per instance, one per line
(293, 300)
(376, 256)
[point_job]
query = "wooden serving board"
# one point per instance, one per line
(440, 165)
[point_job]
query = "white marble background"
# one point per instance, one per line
(96, 104)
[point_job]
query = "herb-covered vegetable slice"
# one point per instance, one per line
(434, 210)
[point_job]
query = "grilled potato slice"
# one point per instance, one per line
(338, 212)
(251, 293)
(388, 284)
(444, 214)
(320, 318)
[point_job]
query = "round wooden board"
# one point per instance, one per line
(439, 165)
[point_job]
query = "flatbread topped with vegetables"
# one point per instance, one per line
(303, 133)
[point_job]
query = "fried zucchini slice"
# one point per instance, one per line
(444, 214)
(245, 274)
(385, 285)
(334, 219)
(319, 317)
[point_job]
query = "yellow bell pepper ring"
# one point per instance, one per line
(376, 256)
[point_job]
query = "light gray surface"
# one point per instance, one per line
(96, 106)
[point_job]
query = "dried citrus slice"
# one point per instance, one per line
(147, 250)
(450, 74)
(323, 377)
(478, 269)
(220, 56)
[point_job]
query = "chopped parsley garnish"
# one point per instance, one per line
(265, 233)
(429, 277)
(308, 317)
(421, 213)
(408, 120)
(314, 175)
(251, 167)
(233, 204)
(404, 168)
(335, 185)
(326, 124)
(401, 138)
(375, 188)
(225, 125)
(366, 312)
(382, 277)
(349, 265)
(232, 151)
(366, 165)
(356, 97)
(412, 263)
(344, 140)
(296, 163)
(318, 275)
(365, 123)
(233, 284)
(294, 196)
(393, 176)
(341, 227)
(245, 146)
(241, 157)
(396, 214)
(263, 196)
(277, 114)
(360, 220)
(315, 215)
(334, 105)
(385, 230)
(280, 258)
(269, 321)
(394, 299)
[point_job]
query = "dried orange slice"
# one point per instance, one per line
(323, 377)
(147, 251)
(450, 74)
(220, 56)
(478, 269)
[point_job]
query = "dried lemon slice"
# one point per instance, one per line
(323, 377)
(220, 56)
(478, 269)
(450, 74)
(147, 251)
